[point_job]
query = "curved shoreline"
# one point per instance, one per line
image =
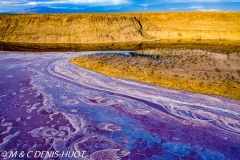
(190, 70)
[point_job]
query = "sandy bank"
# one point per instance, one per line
(191, 70)
(76, 32)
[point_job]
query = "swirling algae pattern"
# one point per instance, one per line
(49, 104)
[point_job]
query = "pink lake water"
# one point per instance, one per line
(50, 105)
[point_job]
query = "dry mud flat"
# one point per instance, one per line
(49, 104)
(192, 70)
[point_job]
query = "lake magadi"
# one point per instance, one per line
(53, 109)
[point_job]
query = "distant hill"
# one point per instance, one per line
(233, 6)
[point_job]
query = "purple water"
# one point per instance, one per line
(50, 105)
